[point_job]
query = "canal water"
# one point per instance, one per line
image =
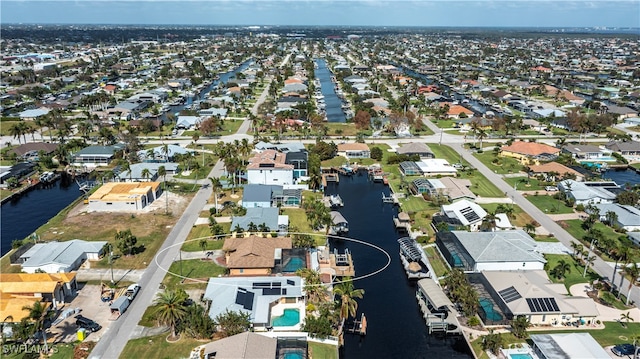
(19, 218)
(333, 102)
(395, 325)
(622, 177)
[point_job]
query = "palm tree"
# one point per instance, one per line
(489, 222)
(347, 294)
(530, 228)
(203, 244)
(146, 173)
(611, 218)
(315, 291)
(519, 326)
(561, 269)
(162, 171)
(216, 186)
(627, 318)
(577, 248)
(633, 271)
(16, 130)
(482, 134)
(170, 308)
(38, 313)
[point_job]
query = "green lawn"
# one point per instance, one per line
(193, 268)
(521, 217)
(298, 219)
(344, 129)
(520, 183)
(549, 205)
(574, 276)
(192, 243)
(503, 166)
(444, 123)
(574, 227)
(322, 351)
(437, 262)
(416, 204)
(157, 347)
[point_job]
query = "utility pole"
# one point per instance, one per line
(586, 264)
(111, 261)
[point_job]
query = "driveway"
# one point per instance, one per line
(89, 305)
(607, 314)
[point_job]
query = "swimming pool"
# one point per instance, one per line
(520, 356)
(289, 318)
(294, 355)
(293, 264)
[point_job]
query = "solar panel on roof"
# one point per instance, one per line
(290, 282)
(538, 305)
(510, 294)
(244, 298)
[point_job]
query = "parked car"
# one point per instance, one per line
(132, 291)
(86, 323)
(551, 188)
(623, 349)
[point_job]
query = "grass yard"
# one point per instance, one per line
(344, 129)
(298, 219)
(520, 183)
(574, 276)
(437, 262)
(417, 204)
(192, 244)
(322, 351)
(504, 166)
(521, 217)
(444, 123)
(574, 227)
(193, 268)
(157, 347)
(549, 205)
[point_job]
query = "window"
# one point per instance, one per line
(109, 203)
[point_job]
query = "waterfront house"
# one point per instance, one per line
(253, 255)
(547, 112)
(54, 288)
(415, 148)
(625, 148)
(31, 115)
(188, 122)
(136, 171)
(269, 167)
(530, 152)
(257, 216)
(626, 217)
(530, 293)
(457, 111)
(30, 151)
(490, 251)
(435, 167)
(94, 156)
(123, 197)
(567, 345)
(354, 150)
(554, 171)
(157, 154)
(247, 345)
(464, 213)
(258, 195)
(587, 152)
(453, 188)
(60, 257)
(263, 298)
(586, 193)
(18, 171)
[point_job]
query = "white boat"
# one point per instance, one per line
(47, 177)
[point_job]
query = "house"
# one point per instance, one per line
(300, 162)
(550, 170)
(626, 217)
(253, 255)
(31, 115)
(464, 213)
(634, 237)
(258, 195)
(530, 152)
(567, 345)
(60, 257)
(263, 298)
(258, 216)
(530, 293)
(452, 188)
(18, 171)
(188, 122)
(547, 112)
(586, 193)
(588, 152)
(490, 251)
(269, 167)
(628, 148)
(30, 151)
(354, 150)
(457, 111)
(436, 166)
(94, 156)
(247, 345)
(415, 148)
(129, 196)
(288, 102)
(54, 288)
(160, 153)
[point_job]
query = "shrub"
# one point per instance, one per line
(473, 321)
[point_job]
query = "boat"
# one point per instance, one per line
(335, 201)
(48, 177)
(340, 224)
(413, 258)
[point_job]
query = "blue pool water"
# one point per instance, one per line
(293, 355)
(520, 356)
(290, 318)
(294, 264)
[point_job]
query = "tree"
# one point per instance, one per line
(492, 342)
(145, 173)
(203, 244)
(362, 120)
(633, 272)
(231, 323)
(519, 326)
(318, 326)
(314, 289)
(126, 241)
(216, 186)
(561, 269)
(376, 153)
(530, 228)
(627, 318)
(38, 314)
(611, 218)
(489, 222)
(170, 308)
(197, 323)
(628, 197)
(347, 295)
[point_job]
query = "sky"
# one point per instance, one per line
(456, 13)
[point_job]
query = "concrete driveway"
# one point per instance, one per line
(90, 305)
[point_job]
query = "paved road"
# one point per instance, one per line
(116, 336)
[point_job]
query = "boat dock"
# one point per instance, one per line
(402, 222)
(333, 201)
(330, 177)
(437, 309)
(390, 199)
(335, 264)
(358, 326)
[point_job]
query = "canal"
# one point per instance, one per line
(333, 102)
(395, 325)
(22, 216)
(623, 177)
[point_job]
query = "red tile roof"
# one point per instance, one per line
(530, 148)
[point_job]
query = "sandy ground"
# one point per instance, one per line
(90, 305)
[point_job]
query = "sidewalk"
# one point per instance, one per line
(104, 274)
